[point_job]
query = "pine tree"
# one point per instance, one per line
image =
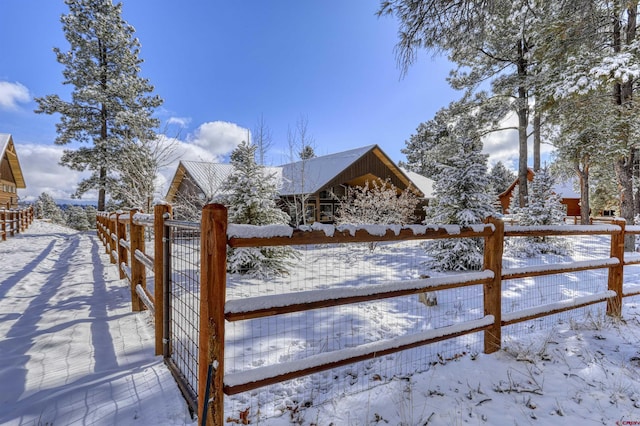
(462, 198)
(91, 213)
(251, 200)
(77, 218)
(543, 208)
(46, 208)
(451, 155)
(501, 178)
(111, 106)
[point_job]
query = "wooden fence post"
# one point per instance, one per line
(138, 270)
(616, 273)
(3, 224)
(111, 229)
(12, 224)
(493, 247)
(213, 275)
(159, 211)
(121, 234)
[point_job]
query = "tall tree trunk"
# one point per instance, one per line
(101, 190)
(523, 121)
(537, 138)
(622, 97)
(583, 176)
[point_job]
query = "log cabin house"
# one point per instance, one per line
(568, 196)
(316, 181)
(11, 178)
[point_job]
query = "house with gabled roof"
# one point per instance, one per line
(568, 196)
(316, 182)
(11, 178)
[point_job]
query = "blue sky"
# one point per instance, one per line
(220, 66)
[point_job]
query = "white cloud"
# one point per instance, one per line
(219, 137)
(42, 173)
(11, 94)
(180, 121)
(504, 146)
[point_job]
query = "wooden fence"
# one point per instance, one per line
(123, 235)
(217, 235)
(15, 221)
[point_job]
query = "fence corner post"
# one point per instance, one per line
(616, 273)
(493, 248)
(159, 212)
(138, 270)
(213, 275)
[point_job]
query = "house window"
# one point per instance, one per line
(310, 213)
(326, 195)
(326, 212)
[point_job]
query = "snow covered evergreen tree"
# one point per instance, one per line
(462, 198)
(46, 208)
(501, 177)
(111, 106)
(91, 213)
(543, 208)
(251, 200)
(77, 218)
(452, 156)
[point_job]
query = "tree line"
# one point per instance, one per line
(567, 70)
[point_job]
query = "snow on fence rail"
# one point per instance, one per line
(216, 236)
(14, 221)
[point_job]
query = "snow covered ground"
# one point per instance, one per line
(73, 353)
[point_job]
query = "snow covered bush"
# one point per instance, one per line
(543, 208)
(77, 218)
(251, 200)
(379, 202)
(46, 208)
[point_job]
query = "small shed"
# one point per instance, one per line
(11, 178)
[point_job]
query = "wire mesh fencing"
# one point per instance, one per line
(182, 244)
(297, 336)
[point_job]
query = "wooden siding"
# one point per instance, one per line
(8, 191)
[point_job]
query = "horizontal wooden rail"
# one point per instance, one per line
(146, 298)
(558, 230)
(271, 374)
(556, 307)
(306, 237)
(146, 260)
(557, 268)
(262, 306)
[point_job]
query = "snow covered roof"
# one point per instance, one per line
(309, 176)
(300, 177)
(209, 177)
(423, 183)
(8, 149)
(566, 189)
